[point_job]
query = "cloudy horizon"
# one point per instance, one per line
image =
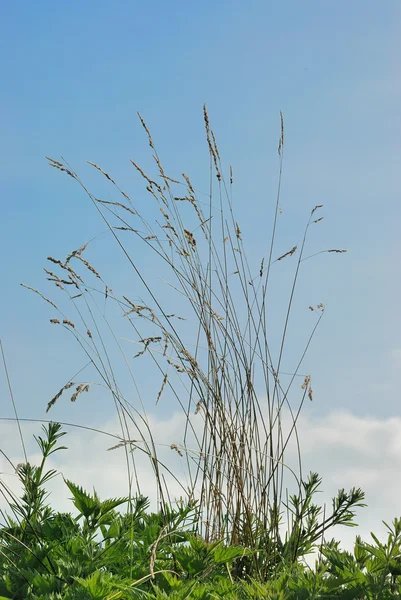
(345, 450)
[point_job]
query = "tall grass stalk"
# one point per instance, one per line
(219, 364)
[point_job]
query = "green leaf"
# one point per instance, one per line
(226, 554)
(99, 586)
(83, 501)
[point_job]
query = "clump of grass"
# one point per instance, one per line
(217, 362)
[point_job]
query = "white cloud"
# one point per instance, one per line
(346, 450)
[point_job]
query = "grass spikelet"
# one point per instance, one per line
(53, 401)
(75, 253)
(147, 131)
(177, 367)
(281, 140)
(209, 141)
(66, 267)
(190, 238)
(306, 382)
(176, 448)
(58, 165)
(126, 229)
(215, 144)
(164, 382)
(316, 208)
(172, 180)
(261, 267)
(119, 204)
(146, 343)
(39, 294)
(137, 308)
(290, 253)
(189, 184)
(101, 170)
(69, 323)
(53, 275)
(79, 390)
(89, 266)
(146, 177)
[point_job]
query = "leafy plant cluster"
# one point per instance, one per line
(101, 553)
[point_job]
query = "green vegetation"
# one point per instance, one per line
(236, 532)
(103, 554)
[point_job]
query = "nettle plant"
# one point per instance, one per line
(216, 362)
(102, 554)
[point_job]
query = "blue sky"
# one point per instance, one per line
(73, 77)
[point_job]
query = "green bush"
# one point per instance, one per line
(101, 553)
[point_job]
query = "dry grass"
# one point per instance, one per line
(214, 364)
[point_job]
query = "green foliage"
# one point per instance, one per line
(95, 512)
(103, 554)
(32, 507)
